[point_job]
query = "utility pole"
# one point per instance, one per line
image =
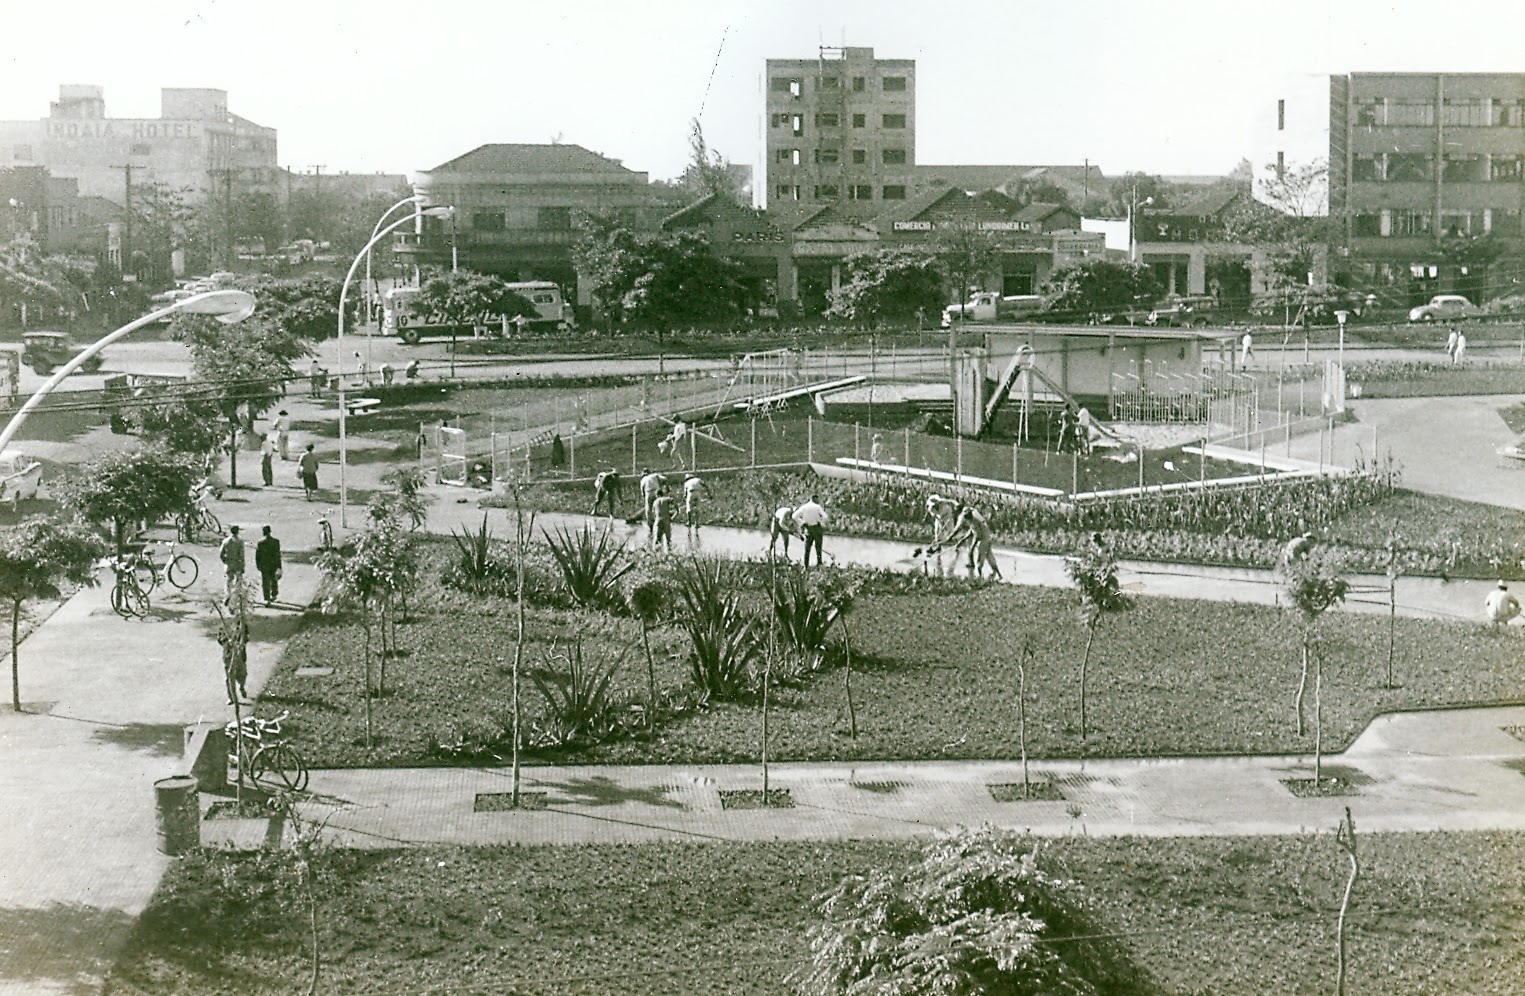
(126, 216)
(227, 209)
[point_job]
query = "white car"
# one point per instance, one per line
(1443, 307)
(19, 477)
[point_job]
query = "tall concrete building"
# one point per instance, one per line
(840, 129)
(195, 145)
(1420, 164)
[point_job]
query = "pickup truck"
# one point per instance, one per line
(19, 477)
(988, 306)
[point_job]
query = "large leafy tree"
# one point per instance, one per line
(888, 287)
(166, 218)
(129, 486)
(240, 368)
(708, 172)
(967, 254)
(178, 420)
(658, 280)
(48, 286)
(1131, 188)
(465, 297)
(1286, 228)
(37, 556)
(1100, 286)
(306, 308)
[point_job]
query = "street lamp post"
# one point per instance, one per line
(227, 306)
(1133, 206)
(434, 212)
(370, 297)
(1341, 316)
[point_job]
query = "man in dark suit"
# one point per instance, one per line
(267, 559)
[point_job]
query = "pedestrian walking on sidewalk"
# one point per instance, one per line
(283, 434)
(1248, 350)
(315, 379)
(811, 518)
(1451, 346)
(231, 553)
(266, 460)
(267, 560)
(308, 467)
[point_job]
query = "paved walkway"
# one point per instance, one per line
(107, 699)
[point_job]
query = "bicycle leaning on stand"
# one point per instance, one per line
(180, 569)
(198, 517)
(269, 761)
(128, 599)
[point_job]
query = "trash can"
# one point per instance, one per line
(179, 814)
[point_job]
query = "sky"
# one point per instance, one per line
(1162, 87)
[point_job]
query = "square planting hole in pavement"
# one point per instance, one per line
(1037, 790)
(753, 799)
(879, 788)
(503, 802)
(1337, 780)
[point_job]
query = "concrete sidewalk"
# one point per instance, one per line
(1444, 770)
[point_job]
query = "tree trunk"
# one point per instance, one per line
(519, 634)
(1022, 725)
(1350, 884)
(1085, 661)
(381, 669)
(16, 654)
(312, 929)
(1302, 683)
(651, 677)
(365, 625)
(768, 667)
(233, 454)
(1318, 719)
(847, 680)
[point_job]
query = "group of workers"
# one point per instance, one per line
(658, 507)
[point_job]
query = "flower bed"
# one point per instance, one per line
(1433, 913)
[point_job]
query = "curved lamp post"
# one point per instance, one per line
(227, 306)
(370, 297)
(433, 212)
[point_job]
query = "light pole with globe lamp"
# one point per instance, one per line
(370, 296)
(432, 212)
(227, 306)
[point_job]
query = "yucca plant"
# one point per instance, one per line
(805, 617)
(591, 563)
(475, 549)
(725, 640)
(578, 697)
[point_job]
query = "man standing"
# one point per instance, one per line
(606, 487)
(661, 513)
(1502, 606)
(693, 496)
(231, 553)
(266, 458)
(811, 518)
(308, 466)
(267, 560)
(652, 485)
(1247, 351)
(1451, 346)
(1461, 349)
(315, 378)
(283, 433)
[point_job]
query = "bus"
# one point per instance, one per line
(401, 318)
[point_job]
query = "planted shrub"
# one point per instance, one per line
(591, 564)
(805, 616)
(579, 703)
(475, 562)
(725, 639)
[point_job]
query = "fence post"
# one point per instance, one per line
(1014, 468)
(754, 440)
(1262, 456)
(1141, 468)
(693, 451)
(1204, 460)
(492, 457)
(572, 456)
(958, 455)
(857, 435)
(1321, 447)
(810, 439)
(1074, 473)
(907, 449)
(633, 470)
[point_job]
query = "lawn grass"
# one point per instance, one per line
(1424, 380)
(1431, 522)
(1432, 913)
(932, 679)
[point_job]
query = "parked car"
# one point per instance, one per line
(170, 296)
(1444, 307)
(46, 351)
(1184, 310)
(19, 478)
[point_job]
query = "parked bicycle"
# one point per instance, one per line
(198, 517)
(180, 569)
(128, 599)
(325, 531)
(267, 759)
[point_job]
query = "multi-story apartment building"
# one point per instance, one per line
(840, 129)
(1419, 165)
(194, 145)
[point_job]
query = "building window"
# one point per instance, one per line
(860, 120)
(1507, 221)
(1463, 169)
(487, 221)
(782, 155)
(1465, 113)
(1458, 224)
(783, 190)
(893, 192)
(1508, 113)
(826, 120)
(831, 83)
(1366, 169)
(894, 84)
(1368, 225)
(555, 219)
(861, 192)
(794, 157)
(1409, 114)
(797, 124)
(1408, 167)
(894, 157)
(779, 120)
(894, 121)
(23, 152)
(142, 149)
(1410, 222)
(827, 157)
(826, 192)
(784, 84)
(858, 84)
(1368, 112)
(1505, 169)
(1281, 115)
(860, 156)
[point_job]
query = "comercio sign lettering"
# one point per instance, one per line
(983, 226)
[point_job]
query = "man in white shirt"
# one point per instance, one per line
(652, 485)
(781, 526)
(811, 519)
(1502, 606)
(973, 527)
(694, 494)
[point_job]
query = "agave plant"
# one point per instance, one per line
(725, 639)
(591, 563)
(475, 549)
(579, 702)
(805, 617)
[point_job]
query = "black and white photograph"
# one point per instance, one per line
(836, 498)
